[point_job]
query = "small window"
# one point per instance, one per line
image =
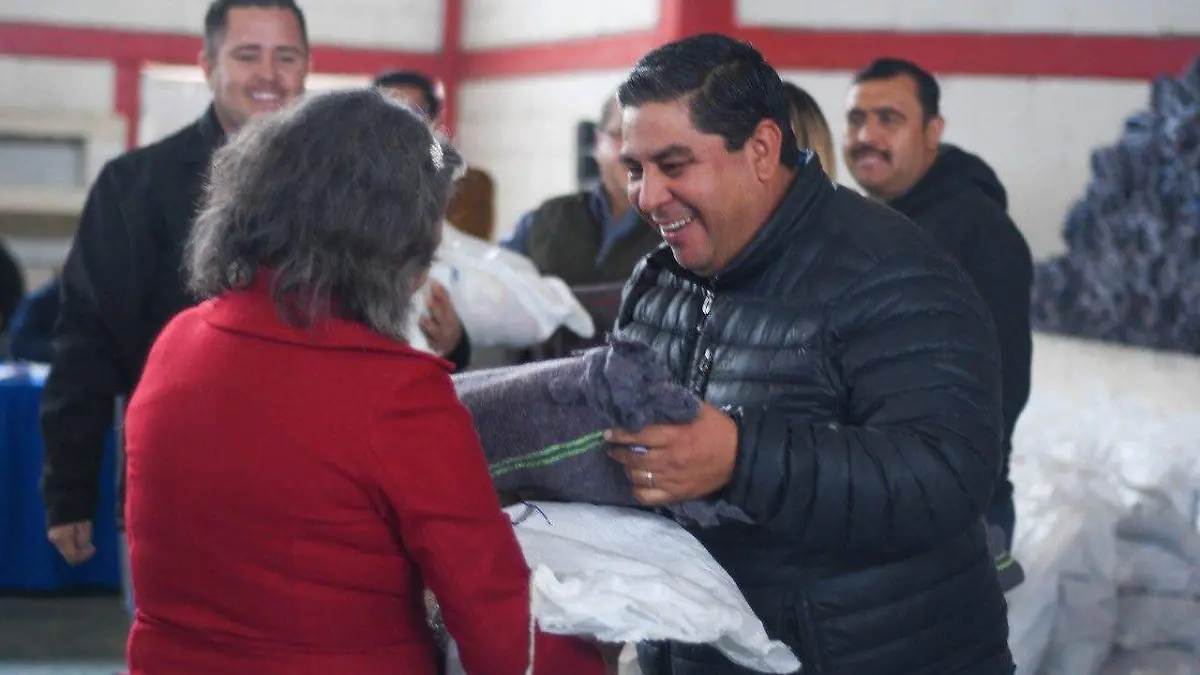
(41, 162)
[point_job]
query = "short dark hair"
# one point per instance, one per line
(610, 109)
(411, 78)
(339, 197)
(929, 94)
(729, 86)
(216, 19)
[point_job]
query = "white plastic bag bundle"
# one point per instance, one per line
(1080, 468)
(1058, 548)
(1158, 578)
(1063, 617)
(623, 575)
(501, 298)
(1156, 662)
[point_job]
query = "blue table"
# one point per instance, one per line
(28, 562)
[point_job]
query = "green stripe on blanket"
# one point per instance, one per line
(549, 455)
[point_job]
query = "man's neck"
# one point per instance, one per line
(618, 204)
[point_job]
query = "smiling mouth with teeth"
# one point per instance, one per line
(674, 226)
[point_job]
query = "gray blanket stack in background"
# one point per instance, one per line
(1129, 272)
(541, 424)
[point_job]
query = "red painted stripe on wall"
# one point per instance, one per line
(1016, 55)
(1084, 56)
(598, 53)
(1022, 55)
(679, 18)
(22, 39)
(127, 97)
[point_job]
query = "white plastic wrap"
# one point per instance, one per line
(1059, 549)
(1154, 662)
(1079, 470)
(1158, 578)
(625, 575)
(501, 298)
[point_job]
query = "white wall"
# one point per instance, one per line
(410, 25)
(59, 99)
(72, 85)
(1037, 133)
(1088, 370)
(505, 23)
(522, 131)
(1147, 17)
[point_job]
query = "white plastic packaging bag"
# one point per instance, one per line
(623, 575)
(1084, 471)
(1158, 578)
(1155, 662)
(501, 298)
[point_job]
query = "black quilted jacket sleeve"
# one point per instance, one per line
(917, 457)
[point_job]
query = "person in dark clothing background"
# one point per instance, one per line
(588, 238)
(122, 281)
(29, 338)
(893, 149)
(849, 374)
(591, 236)
(12, 287)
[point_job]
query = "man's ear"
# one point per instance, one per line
(206, 66)
(933, 132)
(763, 147)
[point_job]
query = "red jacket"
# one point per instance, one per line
(291, 493)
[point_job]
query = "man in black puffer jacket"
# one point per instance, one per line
(850, 375)
(893, 149)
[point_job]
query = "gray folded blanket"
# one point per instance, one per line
(542, 424)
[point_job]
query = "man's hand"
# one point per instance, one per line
(441, 324)
(682, 461)
(73, 541)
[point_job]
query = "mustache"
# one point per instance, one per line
(862, 150)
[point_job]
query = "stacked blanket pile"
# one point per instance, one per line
(1130, 272)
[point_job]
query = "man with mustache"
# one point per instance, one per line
(849, 375)
(893, 149)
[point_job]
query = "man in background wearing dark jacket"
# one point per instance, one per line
(588, 238)
(29, 337)
(591, 236)
(122, 281)
(850, 379)
(893, 149)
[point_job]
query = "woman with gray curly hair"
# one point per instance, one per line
(297, 474)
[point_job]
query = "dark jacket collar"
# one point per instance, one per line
(801, 205)
(952, 174)
(206, 136)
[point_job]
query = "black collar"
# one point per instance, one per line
(208, 135)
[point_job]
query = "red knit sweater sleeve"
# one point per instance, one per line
(432, 471)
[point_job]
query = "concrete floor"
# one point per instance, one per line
(62, 635)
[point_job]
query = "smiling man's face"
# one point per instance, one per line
(259, 65)
(704, 199)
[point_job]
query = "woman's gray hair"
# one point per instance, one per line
(339, 198)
